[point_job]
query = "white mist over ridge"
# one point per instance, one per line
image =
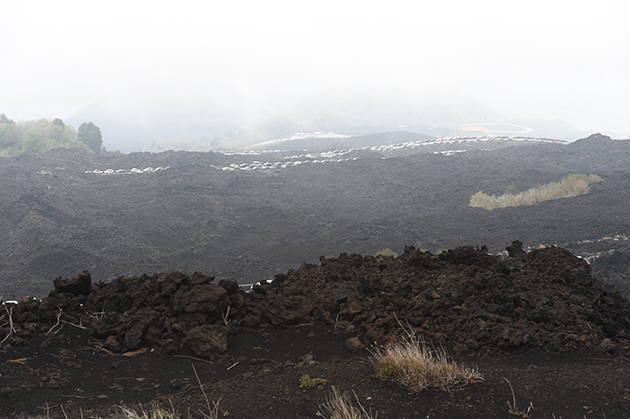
(209, 125)
(238, 73)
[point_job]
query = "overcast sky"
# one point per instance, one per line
(548, 59)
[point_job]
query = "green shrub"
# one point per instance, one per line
(37, 136)
(386, 252)
(307, 381)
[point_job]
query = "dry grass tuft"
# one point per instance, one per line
(9, 311)
(571, 185)
(512, 406)
(413, 365)
(339, 406)
(156, 412)
(213, 412)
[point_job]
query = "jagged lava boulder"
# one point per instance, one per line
(465, 299)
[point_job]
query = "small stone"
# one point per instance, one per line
(178, 383)
(511, 337)
(207, 340)
(6, 392)
(112, 344)
(472, 344)
(607, 346)
(306, 359)
(355, 345)
(78, 285)
(230, 285)
(340, 295)
(460, 349)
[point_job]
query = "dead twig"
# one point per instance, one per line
(105, 350)
(133, 354)
(214, 412)
(78, 326)
(201, 387)
(12, 330)
(225, 316)
(512, 406)
(337, 325)
(301, 325)
(192, 357)
(98, 315)
(21, 361)
(56, 324)
(409, 331)
(64, 412)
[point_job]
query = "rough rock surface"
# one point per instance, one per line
(208, 341)
(538, 319)
(465, 298)
(57, 220)
(544, 299)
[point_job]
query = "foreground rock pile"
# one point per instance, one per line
(464, 298)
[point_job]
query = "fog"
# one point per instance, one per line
(218, 66)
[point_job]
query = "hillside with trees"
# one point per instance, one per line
(41, 135)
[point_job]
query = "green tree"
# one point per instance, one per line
(37, 136)
(5, 120)
(42, 136)
(33, 142)
(58, 122)
(90, 134)
(10, 137)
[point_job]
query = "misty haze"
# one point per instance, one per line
(272, 209)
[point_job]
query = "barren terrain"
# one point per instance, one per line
(538, 320)
(58, 220)
(156, 257)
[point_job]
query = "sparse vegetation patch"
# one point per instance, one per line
(413, 365)
(571, 185)
(155, 412)
(307, 381)
(386, 252)
(340, 406)
(41, 135)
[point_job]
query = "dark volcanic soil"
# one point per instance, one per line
(56, 219)
(537, 319)
(122, 333)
